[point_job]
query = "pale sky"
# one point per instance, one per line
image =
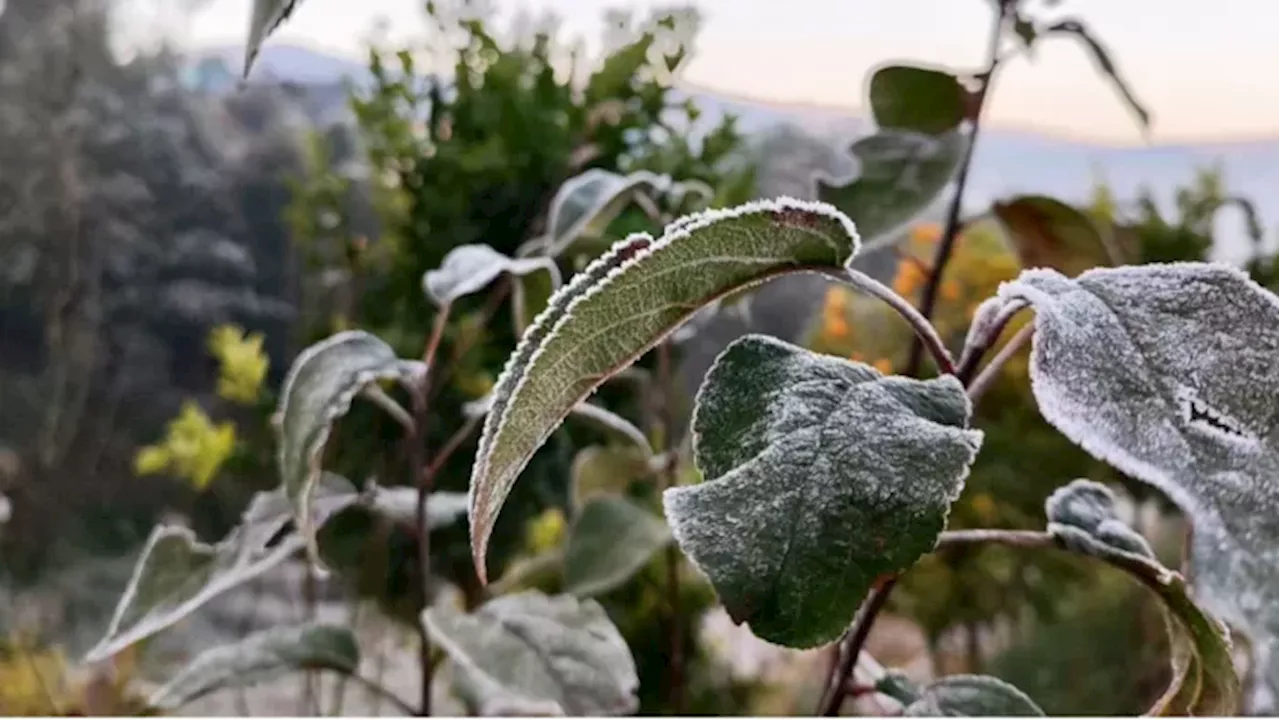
(1206, 70)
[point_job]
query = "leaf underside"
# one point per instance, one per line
(470, 268)
(822, 475)
(1168, 373)
(972, 696)
(622, 305)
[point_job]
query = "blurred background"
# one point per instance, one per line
(171, 236)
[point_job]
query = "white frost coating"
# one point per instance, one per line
(330, 373)
(599, 275)
(533, 653)
(470, 268)
(1168, 373)
(400, 504)
(972, 696)
(594, 196)
(587, 411)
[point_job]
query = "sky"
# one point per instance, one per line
(1208, 71)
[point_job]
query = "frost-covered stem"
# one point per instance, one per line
(992, 370)
(1014, 538)
(925, 332)
(423, 479)
(851, 646)
(952, 227)
(978, 347)
(675, 659)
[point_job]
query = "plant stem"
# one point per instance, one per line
(989, 373)
(952, 227)
(976, 348)
(423, 479)
(310, 698)
(925, 332)
(675, 659)
(851, 646)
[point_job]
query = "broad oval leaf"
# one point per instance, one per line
(1082, 517)
(261, 657)
(822, 476)
(622, 305)
(918, 99)
(972, 696)
(266, 18)
(900, 176)
(611, 540)
(1047, 233)
(530, 653)
(587, 203)
(1168, 373)
(176, 573)
(470, 268)
(317, 391)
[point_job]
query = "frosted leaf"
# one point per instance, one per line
(917, 99)
(972, 696)
(622, 305)
(1168, 372)
(603, 418)
(176, 573)
(587, 203)
(318, 391)
(267, 17)
(1083, 513)
(259, 658)
(822, 476)
(529, 652)
(400, 504)
(611, 540)
(470, 268)
(900, 175)
(1048, 233)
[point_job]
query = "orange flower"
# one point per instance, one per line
(884, 365)
(926, 233)
(909, 277)
(950, 290)
(836, 327)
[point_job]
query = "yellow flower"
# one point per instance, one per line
(545, 530)
(242, 363)
(193, 448)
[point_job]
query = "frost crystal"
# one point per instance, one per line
(1168, 372)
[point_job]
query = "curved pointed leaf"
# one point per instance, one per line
(470, 268)
(176, 573)
(317, 391)
(609, 421)
(261, 657)
(626, 302)
(822, 475)
(918, 99)
(1168, 373)
(267, 16)
(1082, 517)
(1047, 233)
(1106, 66)
(530, 653)
(611, 540)
(900, 175)
(972, 696)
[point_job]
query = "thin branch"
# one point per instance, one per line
(451, 445)
(923, 328)
(851, 646)
(1014, 538)
(675, 643)
(992, 370)
(490, 308)
(975, 348)
(952, 227)
(379, 397)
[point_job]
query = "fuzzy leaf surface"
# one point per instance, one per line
(261, 657)
(612, 539)
(622, 305)
(972, 696)
(900, 175)
(317, 392)
(470, 268)
(176, 573)
(822, 475)
(918, 99)
(531, 653)
(1168, 373)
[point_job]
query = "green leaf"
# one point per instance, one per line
(622, 305)
(530, 294)
(176, 573)
(1045, 232)
(1082, 517)
(822, 476)
(972, 696)
(602, 418)
(587, 203)
(267, 17)
(317, 392)
(1168, 373)
(470, 268)
(611, 540)
(917, 99)
(607, 470)
(1102, 59)
(258, 658)
(901, 174)
(530, 653)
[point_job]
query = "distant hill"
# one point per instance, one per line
(1006, 161)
